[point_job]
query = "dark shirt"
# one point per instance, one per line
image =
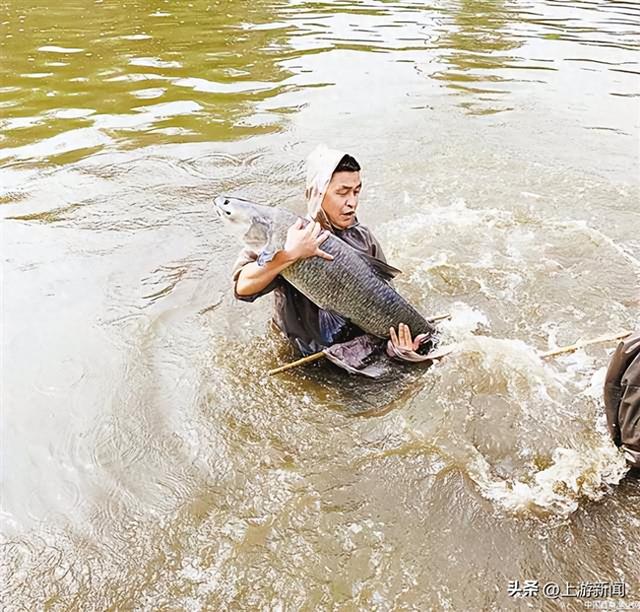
(297, 316)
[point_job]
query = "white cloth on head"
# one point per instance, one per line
(321, 163)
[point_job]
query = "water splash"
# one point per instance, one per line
(558, 489)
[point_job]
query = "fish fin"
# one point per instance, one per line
(259, 236)
(330, 325)
(382, 269)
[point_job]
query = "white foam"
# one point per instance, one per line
(457, 214)
(558, 488)
(464, 321)
(495, 254)
(595, 386)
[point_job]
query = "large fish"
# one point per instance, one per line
(352, 285)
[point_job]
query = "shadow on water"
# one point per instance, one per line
(359, 396)
(324, 385)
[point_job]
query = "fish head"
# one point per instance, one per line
(252, 223)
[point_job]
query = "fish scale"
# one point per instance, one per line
(349, 285)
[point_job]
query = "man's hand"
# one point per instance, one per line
(402, 340)
(305, 242)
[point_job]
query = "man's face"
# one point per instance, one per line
(341, 198)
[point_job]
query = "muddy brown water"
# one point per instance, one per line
(148, 464)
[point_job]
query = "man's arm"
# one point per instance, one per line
(254, 278)
(301, 242)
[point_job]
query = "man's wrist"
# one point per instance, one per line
(278, 260)
(286, 257)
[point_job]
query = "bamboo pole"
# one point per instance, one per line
(578, 345)
(298, 362)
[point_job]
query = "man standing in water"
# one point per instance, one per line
(622, 399)
(332, 193)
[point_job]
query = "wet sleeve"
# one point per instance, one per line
(620, 381)
(622, 398)
(613, 394)
(245, 257)
(629, 411)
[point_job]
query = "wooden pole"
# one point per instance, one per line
(578, 345)
(295, 364)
